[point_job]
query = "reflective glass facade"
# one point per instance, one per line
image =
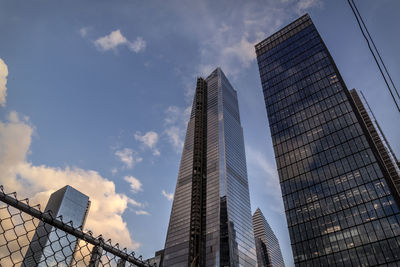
(341, 205)
(227, 235)
(50, 246)
(383, 147)
(267, 246)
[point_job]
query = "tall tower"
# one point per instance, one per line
(341, 205)
(51, 246)
(268, 251)
(384, 149)
(211, 223)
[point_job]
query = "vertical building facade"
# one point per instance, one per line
(267, 246)
(384, 149)
(210, 223)
(53, 247)
(340, 203)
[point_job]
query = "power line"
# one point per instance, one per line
(358, 18)
(376, 49)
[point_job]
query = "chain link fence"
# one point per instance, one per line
(30, 237)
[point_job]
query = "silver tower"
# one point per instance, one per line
(211, 222)
(51, 246)
(268, 250)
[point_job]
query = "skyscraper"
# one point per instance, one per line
(210, 223)
(53, 247)
(341, 205)
(384, 149)
(267, 246)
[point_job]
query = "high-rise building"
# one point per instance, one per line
(157, 259)
(341, 205)
(267, 246)
(210, 223)
(383, 147)
(51, 246)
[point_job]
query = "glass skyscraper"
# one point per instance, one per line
(341, 205)
(267, 246)
(211, 223)
(53, 247)
(384, 149)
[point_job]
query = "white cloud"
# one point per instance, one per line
(141, 212)
(83, 31)
(175, 122)
(156, 152)
(175, 137)
(226, 36)
(135, 203)
(138, 45)
(135, 184)
(149, 140)
(268, 175)
(169, 196)
(37, 182)
(303, 5)
(111, 41)
(243, 51)
(3, 82)
(129, 157)
(115, 39)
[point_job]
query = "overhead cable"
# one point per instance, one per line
(365, 33)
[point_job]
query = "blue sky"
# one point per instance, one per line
(96, 94)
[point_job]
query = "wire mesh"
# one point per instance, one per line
(29, 237)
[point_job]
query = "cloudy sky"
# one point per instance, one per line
(96, 94)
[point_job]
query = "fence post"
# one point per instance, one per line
(121, 263)
(97, 251)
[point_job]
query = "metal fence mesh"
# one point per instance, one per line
(29, 237)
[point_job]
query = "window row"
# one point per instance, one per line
(290, 43)
(311, 51)
(301, 73)
(302, 94)
(314, 115)
(320, 153)
(331, 120)
(312, 126)
(303, 194)
(300, 81)
(307, 103)
(384, 251)
(309, 197)
(344, 181)
(305, 88)
(331, 162)
(341, 201)
(313, 61)
(385, 227)
(291, 51)
(313, 141)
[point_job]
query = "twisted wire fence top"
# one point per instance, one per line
(30, 237)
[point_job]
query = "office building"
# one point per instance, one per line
(267, 246)
(51, 246)
(383, 147)
(341, 205)
(156, 261)
(211, 223)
